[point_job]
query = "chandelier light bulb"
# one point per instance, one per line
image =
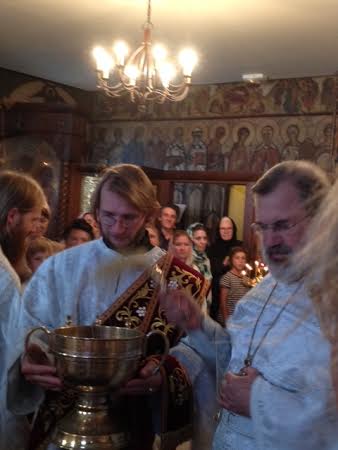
(121, 51)
(188, 60)
(159, 53)
(104, 62)
(167, 73)
(99, 54)
(131, 71)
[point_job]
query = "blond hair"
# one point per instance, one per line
(39, 245)
(317, 262)
(18, 191)
(131, 183)
(177, 234)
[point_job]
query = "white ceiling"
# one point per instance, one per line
(281, 38)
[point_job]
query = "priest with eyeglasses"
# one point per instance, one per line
(276, 391)
(115, 280)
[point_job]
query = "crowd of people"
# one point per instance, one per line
(276, 344)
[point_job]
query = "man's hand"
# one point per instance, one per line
(148, 381)
(181, 309)
(235, 391)
(37, 369)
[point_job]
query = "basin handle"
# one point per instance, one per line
(32, 331)
(166, 347)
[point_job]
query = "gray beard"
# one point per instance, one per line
(287, 271)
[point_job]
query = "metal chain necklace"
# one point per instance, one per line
(251, 354)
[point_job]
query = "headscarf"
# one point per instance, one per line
(221, 248)
(200, 259)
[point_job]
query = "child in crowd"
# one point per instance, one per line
(233, 284)
(38, 250)
(199, 237)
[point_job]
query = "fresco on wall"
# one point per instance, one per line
(245, 145)
(18, 88)
(37, 92)
(234, 127)
(286, 96)
(251, 145)
(34, 156)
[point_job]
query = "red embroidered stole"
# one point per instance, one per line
(138, 307)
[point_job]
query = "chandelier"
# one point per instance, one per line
(146, 74)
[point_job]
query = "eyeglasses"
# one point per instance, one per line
(125, 220)
(280, 226)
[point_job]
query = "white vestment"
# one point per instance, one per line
(292, 401)
(82, 283)
(9, 313)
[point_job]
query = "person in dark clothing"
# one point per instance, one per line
(218, 254)
(166, 224)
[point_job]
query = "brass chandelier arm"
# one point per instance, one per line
(146, 75)
(174, 94)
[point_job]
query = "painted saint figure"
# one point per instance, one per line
(239, 159)
(325, 150)
(134, 150)
(198, 161)
(266, 153)
(155, 150)
(115, 152)
(176, 160)
(215, 157)
(176, 152)
(291, 149)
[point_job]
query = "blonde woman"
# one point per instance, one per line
(181, 247)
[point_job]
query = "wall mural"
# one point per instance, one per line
(17, 88)
(244, 145)
(223, 127)
(285, 96)
(248, 144)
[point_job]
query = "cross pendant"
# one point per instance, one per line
(248, 361)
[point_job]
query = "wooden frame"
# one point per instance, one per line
(164, 181)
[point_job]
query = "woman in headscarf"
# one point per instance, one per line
(218, 254)
(199, 237)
